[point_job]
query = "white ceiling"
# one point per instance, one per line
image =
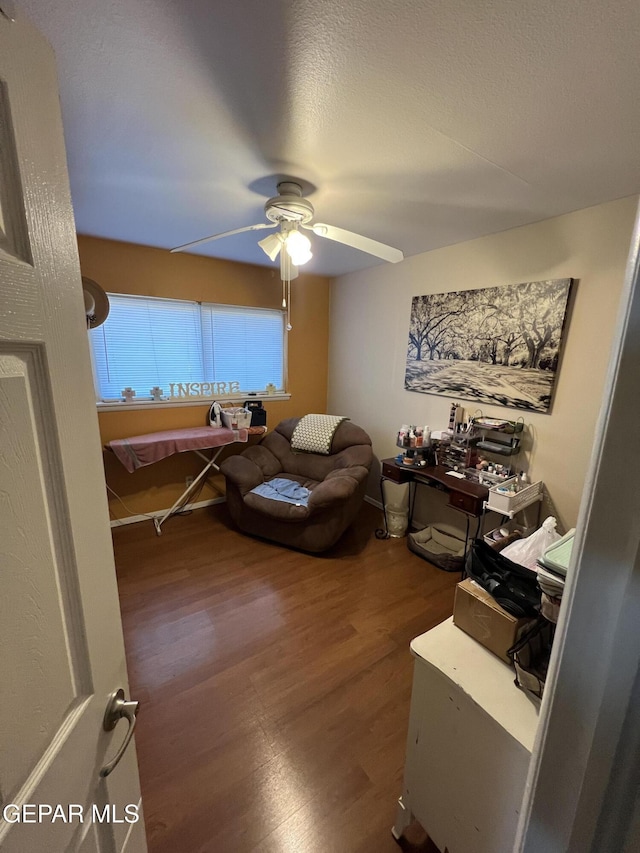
(421, 123)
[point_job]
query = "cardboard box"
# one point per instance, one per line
(476, 613)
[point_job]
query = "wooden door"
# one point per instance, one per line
(61, 652)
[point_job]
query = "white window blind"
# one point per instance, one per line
(243, 345)
(147, 342)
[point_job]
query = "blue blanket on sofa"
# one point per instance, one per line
(281, 489)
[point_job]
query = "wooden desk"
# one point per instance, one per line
(464, 496)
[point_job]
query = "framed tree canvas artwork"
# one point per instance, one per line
(496, 345)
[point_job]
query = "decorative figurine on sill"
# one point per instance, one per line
(156, 393)
(128, 394)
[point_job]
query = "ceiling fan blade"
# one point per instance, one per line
(357, 241)
(257, 227)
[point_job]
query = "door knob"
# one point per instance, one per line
(119, 708)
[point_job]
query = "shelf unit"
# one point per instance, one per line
(509, 506)
(502, 439)
(490, 439)
(499, 437)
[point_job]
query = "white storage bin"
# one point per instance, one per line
(515, 501)
(236, 418)
(397, 520)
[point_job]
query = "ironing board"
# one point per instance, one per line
(141, 450)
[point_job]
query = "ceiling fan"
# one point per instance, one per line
(289, 211)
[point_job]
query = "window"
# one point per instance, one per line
(147, 342)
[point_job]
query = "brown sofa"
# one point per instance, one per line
(337, 483)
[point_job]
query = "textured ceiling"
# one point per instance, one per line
(421, 124)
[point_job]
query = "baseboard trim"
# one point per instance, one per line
(373, 502)
(158, 513)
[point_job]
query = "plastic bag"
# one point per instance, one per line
(527, 551)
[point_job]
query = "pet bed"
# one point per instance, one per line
(440, 546)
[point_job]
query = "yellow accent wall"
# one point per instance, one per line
(127, 268)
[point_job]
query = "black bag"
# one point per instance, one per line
(513, 586)
(530, 657)
(258, 413)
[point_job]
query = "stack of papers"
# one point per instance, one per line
(553, 565)
(557, 556)
(552, 584)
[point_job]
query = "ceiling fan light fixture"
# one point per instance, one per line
(271, 245)
(300, 258)
(288, 212)
(298, 248)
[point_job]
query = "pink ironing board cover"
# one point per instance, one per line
(143, 450)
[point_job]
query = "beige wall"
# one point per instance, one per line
(128, 268)
(370, 320)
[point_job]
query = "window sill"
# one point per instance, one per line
(140, 405)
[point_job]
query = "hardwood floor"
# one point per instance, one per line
(275, 685)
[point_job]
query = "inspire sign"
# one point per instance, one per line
(180, 390)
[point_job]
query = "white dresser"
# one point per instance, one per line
(471, 733)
